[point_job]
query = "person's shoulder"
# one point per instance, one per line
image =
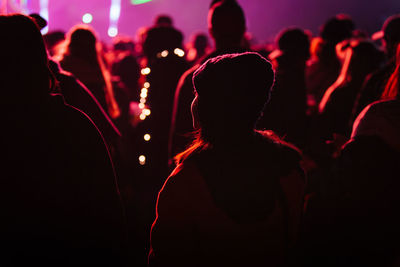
(377, 109)
(188, 74)
(282, 149)
(382, 105)
(75, 121)
(183, 177)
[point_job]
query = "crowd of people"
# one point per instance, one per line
(218, 152)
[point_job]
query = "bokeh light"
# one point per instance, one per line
(87, 18)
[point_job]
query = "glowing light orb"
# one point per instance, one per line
(143, 94)
(147, 137)
(145, 71)
(164, 53)
(179, 52)
(146, 85)
(147, 112)
(142, 160)
(141, 106)
(87, 18)
(112, 32)
(142, 117)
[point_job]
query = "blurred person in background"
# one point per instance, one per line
(81, 55)
(324, 67)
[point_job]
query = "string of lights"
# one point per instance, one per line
(144, 92)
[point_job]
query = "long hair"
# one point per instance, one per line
(81, 42)
(393, 85)
(360, 58)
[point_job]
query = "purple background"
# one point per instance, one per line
(265, 18)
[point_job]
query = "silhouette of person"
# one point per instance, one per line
(126, 67)
(165, 57)
(360, 226)
(376, 82)
(82, 57)
(59, 196)
(197, 48)
(227, 26)
(361, 59)
(323, 69)
(77, 95)
(286, 112)
(235, 197)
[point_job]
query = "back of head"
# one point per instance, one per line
(294, 41)
(226, 22)
(337, 29)
(365, 58)
(161, 38)
(163, 20)
(200, 41)
(391, 33)
(52, 39)
(232, 90)
(24, 62)
(391, 29)
(82, 41)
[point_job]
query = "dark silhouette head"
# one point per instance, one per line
(227, 24)
(365, 58)
(200, 41)
(337, 29)
(163, 20)
(121, 43)
(294, 42)
(24, 62)
(158, 39)
(391, 34)
(231, 91)
(52, 39)
(82, 42)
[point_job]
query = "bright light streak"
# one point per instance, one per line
(87, 18)
(138, 2)
(115, 12)
(44, 12)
